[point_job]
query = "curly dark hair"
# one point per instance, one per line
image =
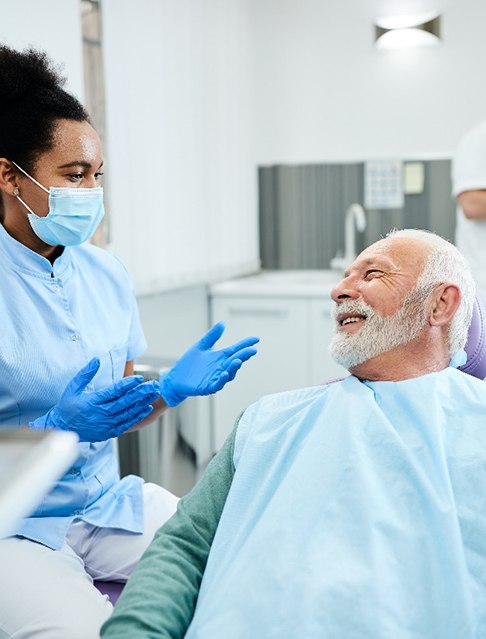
(31, 101)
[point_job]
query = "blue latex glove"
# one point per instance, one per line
(100, 415)
(202, 371)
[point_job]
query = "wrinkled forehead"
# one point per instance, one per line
(400, 253)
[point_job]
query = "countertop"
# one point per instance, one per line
(302, 283)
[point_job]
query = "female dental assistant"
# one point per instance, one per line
(70, 334)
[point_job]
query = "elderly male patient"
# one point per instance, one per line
(350, 510)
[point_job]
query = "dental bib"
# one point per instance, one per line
(355, 511)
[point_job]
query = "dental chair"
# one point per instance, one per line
(112, 589)
(476, 343)
(475, 365)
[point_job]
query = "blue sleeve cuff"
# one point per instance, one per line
(41, 423)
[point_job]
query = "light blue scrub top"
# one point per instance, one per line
(55, 318)
(357, 510)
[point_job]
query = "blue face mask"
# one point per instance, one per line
(74, 214)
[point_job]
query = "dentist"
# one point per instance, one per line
(70, 334)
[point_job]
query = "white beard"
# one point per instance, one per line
(379, 334)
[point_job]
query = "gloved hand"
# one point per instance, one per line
(202, 371)
(100, 415)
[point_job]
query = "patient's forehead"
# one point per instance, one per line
(401, 253)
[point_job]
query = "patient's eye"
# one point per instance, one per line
(371, 273)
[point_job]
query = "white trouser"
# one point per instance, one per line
(49, 594)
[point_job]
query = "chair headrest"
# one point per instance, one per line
(476, 343)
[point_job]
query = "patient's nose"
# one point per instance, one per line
(344, 290)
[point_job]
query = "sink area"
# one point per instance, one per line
(355, 216)
(282, 283)
(316, 283)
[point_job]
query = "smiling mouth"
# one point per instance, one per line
(344, 320)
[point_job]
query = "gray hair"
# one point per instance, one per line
(445, 264)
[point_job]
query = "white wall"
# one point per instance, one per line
(179, 125)
(325, 94)
(201, 92)
(52, 25)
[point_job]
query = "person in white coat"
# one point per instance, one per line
(469, 189)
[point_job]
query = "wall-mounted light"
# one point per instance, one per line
(407, 31)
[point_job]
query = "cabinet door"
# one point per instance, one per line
(281, 362)
(322, 367)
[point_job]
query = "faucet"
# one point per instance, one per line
(354, 215)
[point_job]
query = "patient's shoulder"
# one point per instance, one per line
(290, 399)
(279, 415)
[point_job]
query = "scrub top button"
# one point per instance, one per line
(74, 337)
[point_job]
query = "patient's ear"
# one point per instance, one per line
(8, 177)
(445, 302)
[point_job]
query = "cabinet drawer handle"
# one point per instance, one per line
(268, 312)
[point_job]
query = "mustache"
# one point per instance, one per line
(353, 306)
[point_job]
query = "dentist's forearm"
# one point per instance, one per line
(473, 204)
(158, 408)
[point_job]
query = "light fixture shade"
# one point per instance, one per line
(407, 33)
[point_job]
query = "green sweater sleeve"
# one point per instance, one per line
(160, 596)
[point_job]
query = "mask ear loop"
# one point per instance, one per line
(30, 178)
(17, 192)
(26, 205)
